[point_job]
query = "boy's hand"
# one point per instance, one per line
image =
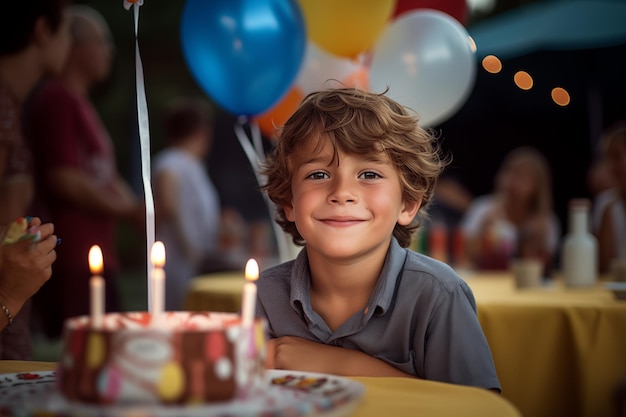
(299, 354)
(296, 354)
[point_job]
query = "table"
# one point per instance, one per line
(558, 351)
(216, 292)
(398, 397)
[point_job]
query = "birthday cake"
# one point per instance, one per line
(172, 358)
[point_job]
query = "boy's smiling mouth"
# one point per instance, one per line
(341, 221)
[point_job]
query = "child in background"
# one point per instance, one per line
(352, 176)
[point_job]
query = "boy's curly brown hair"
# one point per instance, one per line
(360, 123)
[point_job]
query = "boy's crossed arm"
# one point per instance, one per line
(298, 354)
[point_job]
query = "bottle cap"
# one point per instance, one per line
(579, 204)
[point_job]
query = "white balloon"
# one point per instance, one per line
(427, 60)
(321, 69)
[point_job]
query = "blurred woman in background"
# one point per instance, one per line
(517, 219)
(34, 44)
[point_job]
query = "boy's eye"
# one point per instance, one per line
(319, 175)
(369, 175)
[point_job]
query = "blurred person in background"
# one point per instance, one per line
(187, 204)
(442, 236)
(451, 200)
(517, 219)
(598, 177)
(610, 205)
(79, 187)
(35, 43)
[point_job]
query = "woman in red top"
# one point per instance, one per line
(79, 186)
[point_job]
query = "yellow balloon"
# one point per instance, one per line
(346, 27)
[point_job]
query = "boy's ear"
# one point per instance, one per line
(289, 215)
(408, 212)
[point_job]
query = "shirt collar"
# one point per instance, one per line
(383, 293)
(300, 282)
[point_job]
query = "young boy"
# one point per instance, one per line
(351, 177)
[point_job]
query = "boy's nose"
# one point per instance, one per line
(342, 192)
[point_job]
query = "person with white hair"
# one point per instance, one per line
(79, 187)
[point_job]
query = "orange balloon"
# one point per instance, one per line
(278, 115)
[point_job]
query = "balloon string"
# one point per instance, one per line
(144, 139)
(250, 151)
(255, 156)
(257, 140)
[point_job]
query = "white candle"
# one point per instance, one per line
(157, 257)
(96, 284)
(248, 303)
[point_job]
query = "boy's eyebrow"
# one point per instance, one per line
(374, 158)
(315, 159)
(378, 158)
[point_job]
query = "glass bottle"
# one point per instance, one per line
(579, 260)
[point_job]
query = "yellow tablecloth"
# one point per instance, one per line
(216, 292)
(558, 351)
(397, 397)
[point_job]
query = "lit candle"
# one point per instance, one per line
(157, 256)
(248, 304)
(96, 284)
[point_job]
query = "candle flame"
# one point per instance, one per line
(252, 270)
(95, 260)
(157, 255)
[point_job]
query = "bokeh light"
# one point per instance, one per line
(492, 64)
(560, 96)
(523, 80)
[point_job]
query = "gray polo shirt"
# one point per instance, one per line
(421, 318)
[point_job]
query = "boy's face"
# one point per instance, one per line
(347, 210)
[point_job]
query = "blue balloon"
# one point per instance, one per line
(245, 54)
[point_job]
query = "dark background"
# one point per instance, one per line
(498, 116)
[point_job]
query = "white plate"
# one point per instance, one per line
(289, 393)
(618, 288)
